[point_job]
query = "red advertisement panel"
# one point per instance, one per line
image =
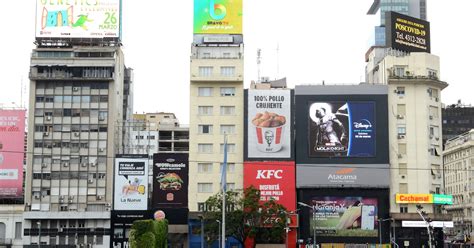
(274, 180)
(12, 139)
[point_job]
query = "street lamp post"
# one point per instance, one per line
(219, 237)
(314, 221)
(421, 213)
(39, 233)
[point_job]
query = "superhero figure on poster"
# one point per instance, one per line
(328, 129)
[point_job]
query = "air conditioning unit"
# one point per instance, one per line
(37, 196)
(75, 89)
(90, 180)
(101, 149)
(431, 136)
(431, 117)
(48, 118)
(437, 138)
(99, 197)
(92, 164)
(44, 165)
(70, 200)
(61, 197)
(61, 200)
(65, 164)
(61, 229)
(83, 164)
(436, 99)
(45, 134)
(400, 117)
(76, 134)
(101, 118)
(400, 156)
(71, 197)
(430, 90)
(401, 136)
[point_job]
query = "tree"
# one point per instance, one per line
(149, 234)
(246, 217)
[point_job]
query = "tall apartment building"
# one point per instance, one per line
(415, 139)
(216, 97)
(458, 158)
(79, 96)
(414, 8)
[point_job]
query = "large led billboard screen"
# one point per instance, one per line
(269, 124)
(406, 33)
(131, 182)
(341, 129)
(275, 180)
(78, 19)
(170, 180)
(12, 145)
(218, 16)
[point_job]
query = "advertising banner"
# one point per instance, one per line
(341, 129)
(406, 33)
(12, 145)
(275, 180)
(269, 124)
(420, 223)
(424, 198)
(170, 180)
(345, 216)
(353, 175)
(218, 16)
(131, 182)
(78, 19)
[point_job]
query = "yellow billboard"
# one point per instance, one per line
(218, 16)
(414, 198)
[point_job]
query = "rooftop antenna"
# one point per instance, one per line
(259, 61)
(278, 60)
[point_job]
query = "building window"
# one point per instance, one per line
(403, 188)
(227, 110)
(230, 148)
(205, 91)
(401, 91)
(403, 208)
(205, 168)
(227, 91)
(205, 71)
(18, 230)
(402, 169)
(206, 55)
(205, 129)
(204, 187)
(205, 148)
(402, 130)
(399, 71)
(205, 110)
(227, 71)
(230, 168)
(227, 129)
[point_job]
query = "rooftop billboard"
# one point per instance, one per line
(218, 16)
(12, 144)
(78, 19)
(406, 33)
(131, 182)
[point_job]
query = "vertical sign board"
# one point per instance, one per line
(218, 16)
(275, 180)
(12, 142)
(406, 33)
(170, 180)
(131, 182)
(78, 19)
(268, 124)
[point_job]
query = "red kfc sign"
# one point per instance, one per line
(275, 180)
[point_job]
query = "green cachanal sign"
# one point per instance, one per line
(442, 199)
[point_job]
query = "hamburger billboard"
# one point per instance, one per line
(78, 19)
(131, 182)
(170, 180)
(406, 33)
(268, 126)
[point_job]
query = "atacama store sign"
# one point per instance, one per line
(424, 198)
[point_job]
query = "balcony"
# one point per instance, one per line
(215, 72)
(61, 73)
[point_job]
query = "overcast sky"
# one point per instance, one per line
(316, 40)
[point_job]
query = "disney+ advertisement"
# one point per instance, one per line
(341, 129)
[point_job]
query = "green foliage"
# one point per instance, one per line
(246, 217)
(149, 233)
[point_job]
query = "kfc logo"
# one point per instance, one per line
(268, 174)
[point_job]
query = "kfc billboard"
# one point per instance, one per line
(78, 19)
(131, 182)
(12, 145)
(269, 124)
(275, 180)
(170, 180)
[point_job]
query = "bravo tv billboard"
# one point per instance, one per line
(218, 16)
(78, 19)
(12, 145)
(268, 124)
(275, 180)
(170, 180)
(406, 33)
(131, 182)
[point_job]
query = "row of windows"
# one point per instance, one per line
(72, 99)
(58, 87)
(224, 91)
(208, 168)
(207, 187)
(67, 144)
(225, 71)
(224, 129)
(71, 128)
(75, 112)
(45, 159)
(208, 148)
(224, 110)
(56, 175)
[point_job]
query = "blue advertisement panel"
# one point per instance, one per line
(342, 129)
